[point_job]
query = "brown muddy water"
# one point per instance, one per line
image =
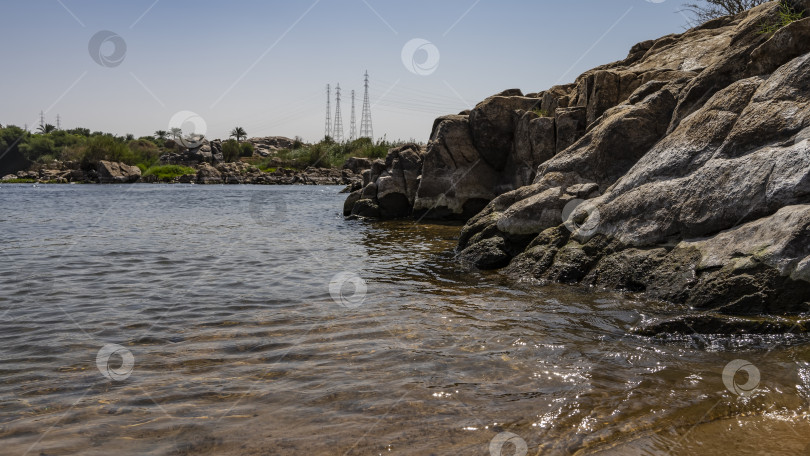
(174, 320)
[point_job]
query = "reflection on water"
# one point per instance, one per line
(221, 295)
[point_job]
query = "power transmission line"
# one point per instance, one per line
(337, 133)
(328, 130)
(353, 123)
(366, 130)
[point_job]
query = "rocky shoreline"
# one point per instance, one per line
(105, 172)
(682, 171)
(208, 165)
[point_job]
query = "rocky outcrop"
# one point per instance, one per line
(391, 186)
(456, 180)
(357, 164)
(244, 173)
(117, 173)
(270, 145)
(493, 124)
(207, 152)
(691, 181)
(500, 145)
(207, 174)
(682, 171)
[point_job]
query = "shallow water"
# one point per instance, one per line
(222, 296)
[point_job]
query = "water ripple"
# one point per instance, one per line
(238, 346)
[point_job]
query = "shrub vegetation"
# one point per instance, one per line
(82, 146)
(166, 173)
(327, 153)
(787, 15)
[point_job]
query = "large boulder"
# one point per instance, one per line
(456, 181)
(570, 126)
(492, 125)
(357, 164)
(759, 267)
(270, 145)
(391, 190)
(584, 170)
(216, 151)
(117, 173)
(738, 153)
(202, 154)
(534, 144)
(206, 152)
(207, 174)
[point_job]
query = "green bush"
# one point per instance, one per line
(144, 152)
(166, 173)
(787, 15)
(47, 158)
(246, 150)
(231, 150)
(329, 154)
(105, 147)
(37, 146)
(11, 135)
(62, 139)
(72, 153)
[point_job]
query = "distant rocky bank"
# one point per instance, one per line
(208, 166)
(682, 171)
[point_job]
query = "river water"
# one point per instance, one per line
(231, 320)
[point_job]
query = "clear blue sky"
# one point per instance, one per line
(264, 64)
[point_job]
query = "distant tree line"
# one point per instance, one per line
(49, 144)
(80, 145)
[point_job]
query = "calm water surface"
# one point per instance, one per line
(221, 294)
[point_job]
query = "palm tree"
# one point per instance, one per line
(47, 128)
(238, 133)
(176, 132)
(161, 134)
